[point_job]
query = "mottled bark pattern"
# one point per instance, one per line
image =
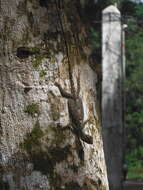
(43, 42)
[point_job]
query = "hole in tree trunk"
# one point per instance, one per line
(24, 52)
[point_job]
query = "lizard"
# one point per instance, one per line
(76, 114)
(75, 106)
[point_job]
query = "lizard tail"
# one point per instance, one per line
(79, 149)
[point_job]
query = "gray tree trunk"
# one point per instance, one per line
(112, 119)
(43, 48)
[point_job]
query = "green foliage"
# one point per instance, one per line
(95, 39)
(32, 109)
(43, 73)
(134, 90)
(35, 50)
(37, 61)
(135, 173)
(135, 166)
(32, 139)
(128, 8)
(139, 11)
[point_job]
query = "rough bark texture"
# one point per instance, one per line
(43, 42)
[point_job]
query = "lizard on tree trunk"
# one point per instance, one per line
(76, 114)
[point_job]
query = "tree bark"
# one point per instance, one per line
(44, 43)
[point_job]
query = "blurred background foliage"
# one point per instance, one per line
(134, 90)
(132, 15)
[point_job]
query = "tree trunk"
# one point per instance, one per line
(43, 142)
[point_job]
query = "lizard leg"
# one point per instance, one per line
(63, 92)
(86, 138)
(80, 134)
(79, 149)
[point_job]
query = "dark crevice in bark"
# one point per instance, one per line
(23, 52)
(66, 46)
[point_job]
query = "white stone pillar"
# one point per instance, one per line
(112, 95)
